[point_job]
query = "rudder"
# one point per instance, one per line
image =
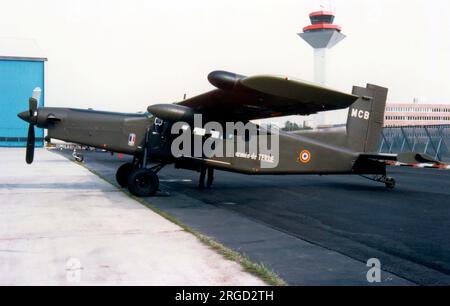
(366, 118)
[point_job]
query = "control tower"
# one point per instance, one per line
(322, 35)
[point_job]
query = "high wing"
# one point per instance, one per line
(240, 98)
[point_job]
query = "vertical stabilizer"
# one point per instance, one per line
(366, 118)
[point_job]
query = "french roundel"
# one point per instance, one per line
(305, 156)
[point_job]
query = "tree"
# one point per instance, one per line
(291, 126)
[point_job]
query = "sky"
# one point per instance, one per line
(125, 55)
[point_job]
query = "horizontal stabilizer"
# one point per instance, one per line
(407, 158)
(411, 158)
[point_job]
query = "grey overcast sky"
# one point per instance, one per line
(125, 55)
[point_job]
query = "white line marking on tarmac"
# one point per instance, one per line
(176, 180)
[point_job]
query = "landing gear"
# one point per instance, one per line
(78, 156)
(140, 177)
(122, 174)
(209, 180)
(143, 182)
(389, 182)
(201, 180)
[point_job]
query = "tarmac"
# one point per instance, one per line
(62, 225)
(317, 230)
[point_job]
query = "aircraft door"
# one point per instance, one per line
(159, 138)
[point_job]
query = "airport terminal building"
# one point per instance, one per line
(415, 114)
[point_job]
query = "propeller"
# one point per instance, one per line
(31, 117)
(31, 136)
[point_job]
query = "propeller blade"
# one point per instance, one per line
(30, 145)
(33, 110)
(32, 104)
(37, 94)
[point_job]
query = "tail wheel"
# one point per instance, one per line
(143, 183)
(390, 183)
(122, 174)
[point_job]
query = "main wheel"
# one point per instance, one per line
(122, 174)
(143, 183)
(79, 158)
(390, 182)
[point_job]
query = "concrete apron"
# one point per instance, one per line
(62, 225)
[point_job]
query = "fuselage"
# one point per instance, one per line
(126, 133)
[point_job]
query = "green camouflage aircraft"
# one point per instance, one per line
(148, 138)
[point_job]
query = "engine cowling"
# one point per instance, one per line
(224, 80)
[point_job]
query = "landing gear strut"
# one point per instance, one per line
(388, 181)
(78, 156)
(209, 180)
(140, 177)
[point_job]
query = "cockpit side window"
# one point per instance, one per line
(159, 124)
(158, 121)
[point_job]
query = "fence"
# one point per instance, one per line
(432, 140)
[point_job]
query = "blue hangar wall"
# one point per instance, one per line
(18, 78)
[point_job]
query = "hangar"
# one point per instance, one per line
(21, 71)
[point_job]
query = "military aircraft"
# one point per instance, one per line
(148, 138)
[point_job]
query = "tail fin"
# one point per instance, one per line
(366, 118)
